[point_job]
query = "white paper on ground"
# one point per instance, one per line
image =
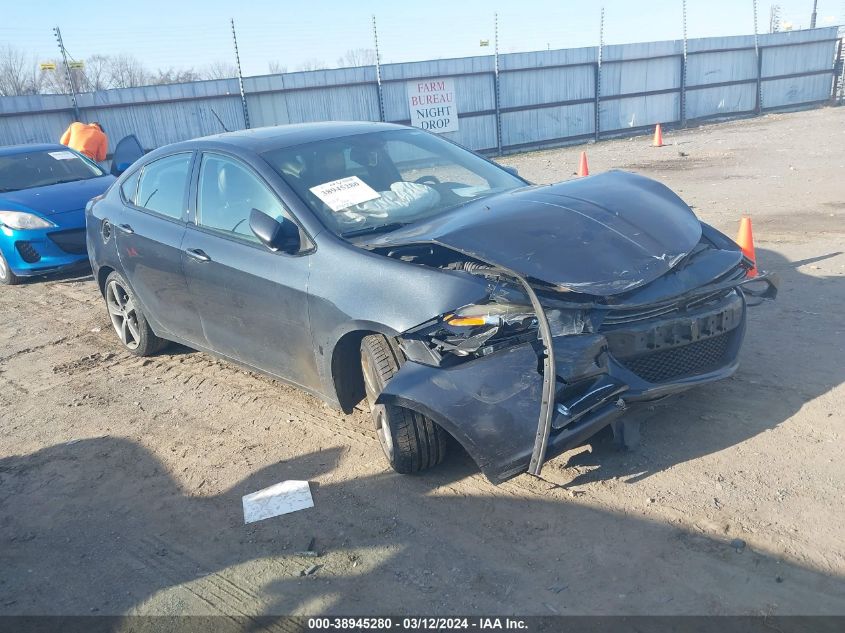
(280, 498)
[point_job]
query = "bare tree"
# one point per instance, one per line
(126, 71)
(96, 75)
(358, 57)
(277, 68)
(312, 64)
(174, 76)
(19, 74)
(220, 70)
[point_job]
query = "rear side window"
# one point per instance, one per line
(163, 183)
(130, 187)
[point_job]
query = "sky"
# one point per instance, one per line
(194, 34)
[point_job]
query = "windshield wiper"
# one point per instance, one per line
(381, 228)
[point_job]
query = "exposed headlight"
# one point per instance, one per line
(21, 221)
(481, 329)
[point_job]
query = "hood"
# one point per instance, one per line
(53, 199)
(601, 235)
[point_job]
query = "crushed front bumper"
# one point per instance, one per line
(491, 404)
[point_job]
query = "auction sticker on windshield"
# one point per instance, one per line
(62, 155)
(343, 193)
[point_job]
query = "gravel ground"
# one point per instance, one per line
(121, 478)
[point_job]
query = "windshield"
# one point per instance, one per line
(368, 183)
(39, 169)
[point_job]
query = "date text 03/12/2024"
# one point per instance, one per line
(417, 623)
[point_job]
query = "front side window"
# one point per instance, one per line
(228, 192)
(40, 169)
(162, 185)
(375, 182)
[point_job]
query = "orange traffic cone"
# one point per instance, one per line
(745, 240)
(583, 170)
(658, 137)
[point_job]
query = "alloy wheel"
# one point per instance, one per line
(123, 314)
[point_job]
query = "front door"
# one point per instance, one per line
(149, 234)
(126, 152)
(252, 301)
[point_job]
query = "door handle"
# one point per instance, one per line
(197, 254)
(125, 228)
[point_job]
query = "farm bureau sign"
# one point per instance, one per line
(432, 104)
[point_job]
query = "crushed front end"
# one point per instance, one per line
(482, 372)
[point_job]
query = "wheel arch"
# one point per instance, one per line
(103, 273)
(347, 378)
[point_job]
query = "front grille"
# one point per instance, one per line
(72, 241)
(686, 360)
(27, 252)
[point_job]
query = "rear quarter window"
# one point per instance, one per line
(130, 187)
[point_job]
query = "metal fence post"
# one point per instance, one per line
(378, 73)
(496, 82)
(684, 70)
(758, 108)
(58, 33)
(240, 75)
(597, 79)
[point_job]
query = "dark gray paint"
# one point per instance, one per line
(291, 316)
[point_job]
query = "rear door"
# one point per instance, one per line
(252, 301)
(149, 236)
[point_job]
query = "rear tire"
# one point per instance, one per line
(128, 319)
(7, 277)
(410, 441)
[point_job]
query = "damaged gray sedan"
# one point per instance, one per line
(367, 261)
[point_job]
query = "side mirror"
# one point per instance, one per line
(511, 170)
(277, 235)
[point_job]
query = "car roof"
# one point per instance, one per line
(10, 150)
(280, 136)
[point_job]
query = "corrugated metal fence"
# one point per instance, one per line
(541, 99)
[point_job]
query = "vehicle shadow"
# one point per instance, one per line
(787, 360)
(79, 273)
(100, 527)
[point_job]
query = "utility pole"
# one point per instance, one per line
(813, 16)
(58, 33)
(240, 74)
(378, 72)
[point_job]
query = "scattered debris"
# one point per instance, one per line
(281, 498)
(738, 544)
(310, 570)
(309, 551)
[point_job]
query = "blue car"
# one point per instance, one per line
(43, 193)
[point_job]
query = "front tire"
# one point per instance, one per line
(410, 441)
(128, 319)
(7, 277)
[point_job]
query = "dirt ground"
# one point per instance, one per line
(121, 478)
